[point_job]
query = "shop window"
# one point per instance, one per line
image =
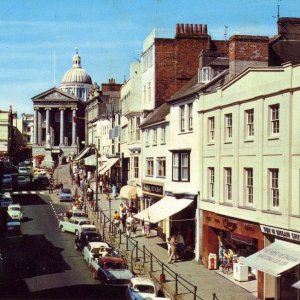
(274, 188)
(228, 184)
(181, 166)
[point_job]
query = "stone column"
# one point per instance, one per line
(35, 127)
(62, 127)
(74, 128)
(39, 128)
(47, 121)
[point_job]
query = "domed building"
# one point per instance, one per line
(77, 81)
(59, 122)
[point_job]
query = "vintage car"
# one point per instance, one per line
(13, 228)
(85, 237)
(73, 224)
(7, 182)
(5, 199)
(87, 228)
(65, 195)
(111, 271)
(94, 250)
(14, 211)
(141, 288)
(78, 213)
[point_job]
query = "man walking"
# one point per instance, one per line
(173, 250)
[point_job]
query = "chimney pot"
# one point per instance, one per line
(177, 28)
(204, 29)
(200, 29)
(181, 28)
(186, 29)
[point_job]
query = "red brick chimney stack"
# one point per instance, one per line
(246, 51)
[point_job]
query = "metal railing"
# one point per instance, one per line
(182, 286)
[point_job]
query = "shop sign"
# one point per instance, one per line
(229, 225)
(241, 238)
(282, 233)
(152, 188)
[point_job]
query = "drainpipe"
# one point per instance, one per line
(197, 231)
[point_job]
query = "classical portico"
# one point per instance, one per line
(58, 123)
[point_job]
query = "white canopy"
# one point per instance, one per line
(107, 165)
(275, 258)
(163, 209)
(296, 285)
(83, 153)
(90, 160)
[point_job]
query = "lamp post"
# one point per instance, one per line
(109, 202)
(96, 178)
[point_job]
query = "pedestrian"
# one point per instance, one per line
(101, 185)
(173, 249)
(129, 222)
(114, 191)
(146, 229)
(134, 227)
(123, 215)
(180, 244)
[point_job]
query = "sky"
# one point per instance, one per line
(38, 38)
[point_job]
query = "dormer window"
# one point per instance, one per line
(206, 74)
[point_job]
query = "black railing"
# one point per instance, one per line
(132, 245)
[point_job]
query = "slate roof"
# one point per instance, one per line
(158, 115)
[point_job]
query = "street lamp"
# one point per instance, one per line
(109, 202)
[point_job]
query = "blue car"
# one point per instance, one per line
(65, 195)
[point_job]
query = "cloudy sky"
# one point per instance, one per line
(38, 38)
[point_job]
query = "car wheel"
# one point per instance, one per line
(62, 229)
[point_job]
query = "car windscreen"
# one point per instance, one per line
(143, 288)
(66, 191)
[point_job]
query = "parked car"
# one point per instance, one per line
(15, 211)
(78, 213)
(85, 237)
(111, 271)
(65, 195)
(23, 170)
(141, 288)
(7, 182)
(27, 162)
(22, 181)
(94, 250)
(13, 228)
(5, 199)
(73, 224)
(87, 228)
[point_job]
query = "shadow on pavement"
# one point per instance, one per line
(28, 199)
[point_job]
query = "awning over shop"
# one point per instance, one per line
(296, 285)
(275, 258)
(83, 153)
(108, 165)
(128, 192)
(90, 160)
(163, 209)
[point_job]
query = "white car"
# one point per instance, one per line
(73, 224)
(141, 288)
(15, 211)
(95, 249)
(23, 170)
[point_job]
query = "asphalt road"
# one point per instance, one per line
(43, 264)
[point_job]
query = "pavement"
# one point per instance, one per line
(211, 284)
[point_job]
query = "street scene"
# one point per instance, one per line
(150, 158)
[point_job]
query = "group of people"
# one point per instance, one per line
(125, 216)
(177, 245)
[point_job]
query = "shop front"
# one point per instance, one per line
(221, 233)
(280, 262)
(152, 192)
